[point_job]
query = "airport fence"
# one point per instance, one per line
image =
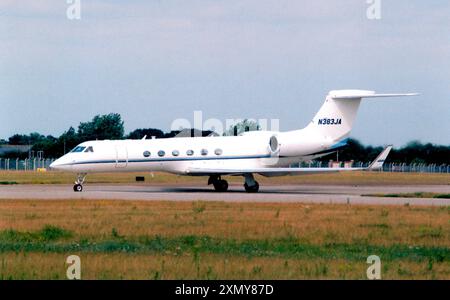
(28, 164)
(35, 164)
(387, 167)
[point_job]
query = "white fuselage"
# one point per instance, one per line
(178, 155)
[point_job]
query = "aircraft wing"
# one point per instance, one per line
(272, 172)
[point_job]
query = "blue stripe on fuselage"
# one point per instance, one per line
(166, 159)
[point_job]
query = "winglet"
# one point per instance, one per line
(377, 164)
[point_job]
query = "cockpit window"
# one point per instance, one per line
(89, 149)
(78, 149)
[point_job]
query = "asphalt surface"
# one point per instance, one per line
(236, 193)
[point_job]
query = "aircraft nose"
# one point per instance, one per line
(57, 165)
(54, 165)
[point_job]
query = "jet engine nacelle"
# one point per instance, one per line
(296, 144)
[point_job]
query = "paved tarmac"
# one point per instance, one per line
(268, 193)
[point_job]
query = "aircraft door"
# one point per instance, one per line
(121, 156)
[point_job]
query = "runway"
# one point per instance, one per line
(268, 193)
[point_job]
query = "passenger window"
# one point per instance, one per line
(161, 153)
(89, 149)
(190, 152)
(175, 152)
(204, 152)
(146, 153)
(218, 151)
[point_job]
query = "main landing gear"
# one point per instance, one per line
(78, 187)
(219, 184)
(251, 185)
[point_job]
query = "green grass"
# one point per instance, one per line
(46, 234)
(411, 195)
(8, 182)
(52, 239)
(377, 225)
(444, 196)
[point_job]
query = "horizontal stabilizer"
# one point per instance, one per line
(358, 94)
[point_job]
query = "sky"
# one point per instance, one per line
(158, 61)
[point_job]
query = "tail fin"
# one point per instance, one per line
(334, 120)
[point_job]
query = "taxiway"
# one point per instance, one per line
(269, 193)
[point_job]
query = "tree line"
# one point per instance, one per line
(414, 152)
(111, 126)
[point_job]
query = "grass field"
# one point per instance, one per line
(345, 178)
(217, 240)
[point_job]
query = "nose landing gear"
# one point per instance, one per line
(78, 187)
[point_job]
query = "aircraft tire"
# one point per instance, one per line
(221, 185)
(252, 189)
(77, 188)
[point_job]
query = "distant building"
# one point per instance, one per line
(340, 164)
(6, 149)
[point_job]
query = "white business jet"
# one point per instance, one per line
(267, 153)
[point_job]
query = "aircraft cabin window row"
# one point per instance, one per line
(161, 153)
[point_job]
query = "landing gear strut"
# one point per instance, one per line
(219, 184)
(251, 185)
(78, 187)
